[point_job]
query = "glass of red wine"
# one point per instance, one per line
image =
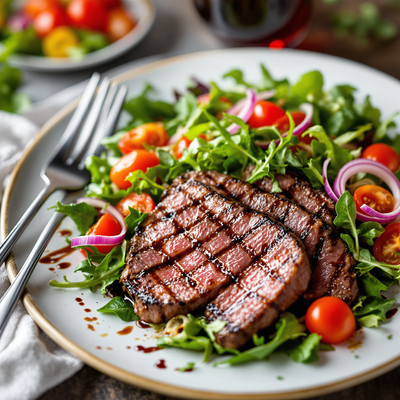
(272, 23)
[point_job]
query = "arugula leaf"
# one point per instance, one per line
(370, 231)
(308, 87)
(118, 306)
(304, 350)
(104, 274)
(367, 262)
(82, 214)
(187, 367)
(353, 135)
(383, 127)
(288, 328)
(373, 310)
(134, 219)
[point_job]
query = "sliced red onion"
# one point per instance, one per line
(374, 168)
(307, 109)
(245, 112)
(100, 240)
(19, 22)
(328, 188)
(235, 109)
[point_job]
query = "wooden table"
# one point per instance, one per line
(384, 56)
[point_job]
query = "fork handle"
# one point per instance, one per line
(14, 235)
(12, 295)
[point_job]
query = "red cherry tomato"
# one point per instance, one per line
(135, 160)
(388, 244)
(330, 318)
(34, 7)
(376, 197)
(107, 225)
(143, 203)
(265, 113)
(182, 144)
(48, 20)
(152, 133)
(384, 154)
(88, 14)
(119, 24)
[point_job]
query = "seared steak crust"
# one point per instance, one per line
(196, 242)
(313, 200)
(333, 265)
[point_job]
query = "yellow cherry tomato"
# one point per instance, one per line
(58, 41)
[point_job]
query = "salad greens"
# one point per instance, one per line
(339, 127)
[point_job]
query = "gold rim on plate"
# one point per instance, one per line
(121, 374)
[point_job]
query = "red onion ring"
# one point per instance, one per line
(234, 110)
(328, 188)
(245, 112)
(100, 240)
(307, 109)
(371, 167)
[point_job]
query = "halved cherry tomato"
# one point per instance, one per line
(388, 244)
(265, 113)
(330, 318)
(135, 160)
(34, 7)
(107, 225)
(119, 24)
(143, 203)
(48, 20)
(152, 133)
(89, 14)
(384, 154)
(182, 144)
(59, 41)
(376, 197)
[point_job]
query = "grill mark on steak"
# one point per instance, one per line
(158, 290)
(334, 266)
(296, 189)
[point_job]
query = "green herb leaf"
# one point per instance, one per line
(118, 306)
(187, 367)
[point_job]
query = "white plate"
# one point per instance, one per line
(368, 354)
(143, 10)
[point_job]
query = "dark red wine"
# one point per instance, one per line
(274, 23)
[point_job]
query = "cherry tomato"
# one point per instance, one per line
(119, 24)
(143, 203)
(135, 160)
(388, 244)
(152, 133)
(48, 20)
(59, 41)
(265, 113)
(384, 154)
(110, 4)
(89, 14)
(107, 225)
(182, 144)
(34, 7)
(376, 197)
(330, 318)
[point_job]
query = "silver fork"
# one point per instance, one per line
(66, 168)
(65, 172)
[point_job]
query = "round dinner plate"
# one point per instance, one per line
(144, 12)
(93, 337)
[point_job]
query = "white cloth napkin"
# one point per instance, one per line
(30, 363)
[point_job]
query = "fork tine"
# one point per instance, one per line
(90, 124)
(111, 111)
(72, 129)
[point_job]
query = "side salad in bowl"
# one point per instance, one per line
(342, 166)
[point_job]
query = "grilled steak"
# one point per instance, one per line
(300, 191)
(196, 242)
(333, 265)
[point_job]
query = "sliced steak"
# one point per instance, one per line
(333, 265)
(296, 189)
(196, 242)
